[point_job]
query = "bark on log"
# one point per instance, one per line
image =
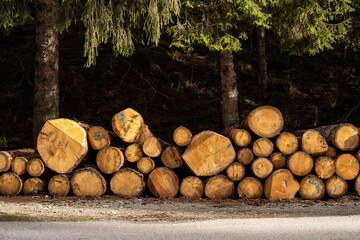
(300, 163)
(287, 143)
(145, 165)
(171, 157)
(219, 187)
(336, 186)
(163, 182)
(110, 159)
(209, 153)
(98, 137)
(35, 167)
(312, 188)
(88, 182)
(262, 147)
(262, 167)
(133, 152)
(62, 144)
(235, 171)
(313, 142)
(18, 165)
(10, 184)
(278, 160)
(152, 147)
(27, 153)
(59, 185)
(182, 136)
(250, 187)
(240, 137)
(5, 161)
(34, 186)
(127, 182)
(325, 167)
(347, 166)
(245, 156)
(192, 187)
(281, 185)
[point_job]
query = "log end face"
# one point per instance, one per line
(265, 121)
(127, 125)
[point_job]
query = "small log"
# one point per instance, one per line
(192, 187)
(245, 156)
(240, 137)
(35, 167)
(313, 142)
(357, 185)
(312, 188)
(336, 186)
(98, 137)
(18, 165)
(262, 167)
(281, 185)
(219, 187)
(235, 171)
(88, 182)
(152, 147)
(287, 143)
(34, 186)
(209, 153)
(331, 152)
(59, 185)
(347, 166)
(110, 159)
(5, 161)
(10, 184)
(133, 152)
(325, 167)
(171, 157)
(300, 163)
(145, 165)
(62, 144)
(182, 136)
(278, 160)
(265, 121)
(127, 182)
(262, 147)
(163, 182)
(250, 187)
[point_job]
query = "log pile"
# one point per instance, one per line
(254, 161)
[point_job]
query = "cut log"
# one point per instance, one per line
(88, 182)
(98, 137)
(182, 136)
(171, 157)
(262, 167)
(281, 185)
(219, 187)
(192, 187)
(312, 188)
(152, 147)
(163, 182)
(62, 144)
(110, 159)
(287, 143)
(59, 185)
(336, 186)
(313, 142)
(10, 184)
(145, 165)
(235, 171)
(262, 147)
(209, 153)
(265, 121)
(35, 167)
(278, 160)
(133, 152)
(357, 185)
(300, 163)
(240, 137)
(347, 166)
(5, 161)
(325, 167)
(34, 186)
(245, 156)
(331, 152)
(27, 153)
(250, 187)
(127, 182)
(18, 165)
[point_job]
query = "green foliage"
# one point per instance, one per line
(15, 12)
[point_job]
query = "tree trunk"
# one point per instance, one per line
(262, 66)
(229, 91)
(46, 82)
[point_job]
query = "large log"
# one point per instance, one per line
(300, 163)
(192, 187)
(235, 171)
(219, 187)
(127, 182)
(278, 160)
(262, 167)
(245, 155)
(262, 147)
(336, 186)
(5, 161)
(209, 153)
(240, 137)
(34, 186)
(10, 184)
(287, 143)
(171, 157)
(281, 185)
(325, 167)
(182, 136)
(59, 185)
(133, 152)
(145, 165)
(62, 144)
(312, 142)
(18, 165)
(35, 167)
(152, 147)
(88, 182)
(347, 166)
(99, 137)
(265, 121)
(250, 187)
(312, 188)
(110, 159)
(163, 182)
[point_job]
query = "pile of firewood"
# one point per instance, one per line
(253, 161)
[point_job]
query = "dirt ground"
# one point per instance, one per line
(112, 208)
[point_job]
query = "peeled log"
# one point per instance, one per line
(336, 186)
(88, 182)
(35, 167)
(171, 157)
(313, 142)
(18, 165)
(250, 187)
(240, 137)
(192, 187)
(219, 187)
(281, 185)
(312, 188)
(10, 184)
(245, 156)
(278, 160)
(98, 137)
(300, 163)
(127, 182)
(182, 136)
(145, 165)
(34, 186)
(110, 159)
(133, 152)
(325, 167)
(262, 167)
(209, 153)
(265, 121)
(59, 185)
(235, 171)
(262, 147)
(163, 182)
(152, 147)
(287, 143)
(347, 166)
(62, 144)
(5, 161)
